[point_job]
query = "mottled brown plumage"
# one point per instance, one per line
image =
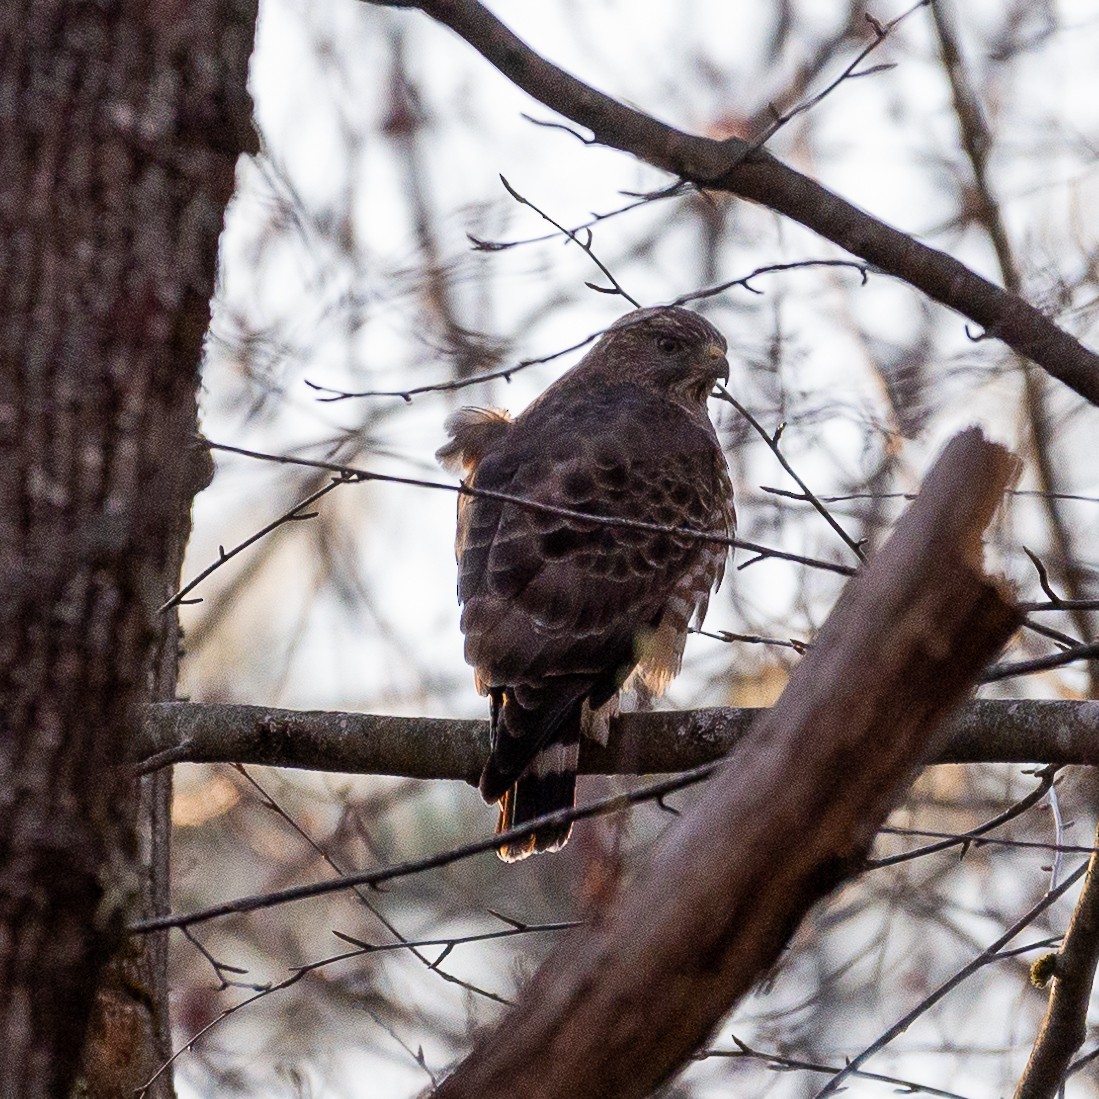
(558, 612)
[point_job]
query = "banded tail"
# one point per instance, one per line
(529, 784)
(548, 784)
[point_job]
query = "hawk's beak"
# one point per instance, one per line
(717, 362)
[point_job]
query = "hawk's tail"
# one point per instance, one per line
(547, 784)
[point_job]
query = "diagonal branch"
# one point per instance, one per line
(1065, 1024)
(977, 141)
(988, 955)
(632, 994)
(741, 169)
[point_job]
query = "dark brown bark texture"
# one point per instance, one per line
(120, 126)
(624, 1000)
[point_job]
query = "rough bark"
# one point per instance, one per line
(624, 1001)
(120, 124)
(1016, 730)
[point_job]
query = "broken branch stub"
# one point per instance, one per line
(624, 1000)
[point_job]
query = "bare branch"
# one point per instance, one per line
(330, 395)
(987, 730)
(786, 1064)
(639, 200)
(1065, 1024)
(353, 474)
(361, 950)
(602, 807)
(584, 245)
(776, 450)
(783, 821)
(990, 954)
(735, 166)
(1042, 663)
(1047, 776)
(745, 281)
(296, 513)
(364, 898)
(850, 72)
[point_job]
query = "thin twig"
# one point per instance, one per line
(407, 395)
(1041, 663)
(729, 637)
(361, 950)
(601, 807)
(1047, 776)
(772, 443)
(364, 899)
(585, 246)
(881, 32)
(745, 281)
(293, 515)
(1061, 605)
(417, 1054)
(1043, 578)
(778, 1061)
(331, 394)
(790, 495)
(1063, 639)
(990, 954)
(672, 191)
(354, 474)
(992, 841)
(1058, 835)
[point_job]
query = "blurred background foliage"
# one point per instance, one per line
(364, 251)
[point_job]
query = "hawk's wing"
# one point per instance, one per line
(552, 599)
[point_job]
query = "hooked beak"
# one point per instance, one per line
(717, 362)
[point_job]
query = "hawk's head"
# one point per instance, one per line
(666, 348)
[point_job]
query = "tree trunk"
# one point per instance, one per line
(120, 125)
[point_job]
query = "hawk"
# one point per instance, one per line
(559, 611)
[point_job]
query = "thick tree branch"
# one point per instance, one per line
(780, 824)
(984, 731)
(742, 169)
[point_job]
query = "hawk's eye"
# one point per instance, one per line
(669, 344)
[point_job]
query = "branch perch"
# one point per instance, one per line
(981, 731)
(624, 1001)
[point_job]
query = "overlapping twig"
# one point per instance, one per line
(355, 474)
(991, 954)
(735, 166)
(601, 807)
(772, 443)
(360, 950)
(787, 1064)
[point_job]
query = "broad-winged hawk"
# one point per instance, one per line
(558, 611)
